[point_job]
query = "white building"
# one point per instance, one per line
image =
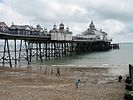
(40, 30)
(93, 34)
(68, 34)
(61, 33)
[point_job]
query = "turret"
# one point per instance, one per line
(92, 26)
(38, 26)
(54, 27)
(61, 26)
(67, 29)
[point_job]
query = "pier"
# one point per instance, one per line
(24, 43)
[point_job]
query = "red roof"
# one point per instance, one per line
(2, 24)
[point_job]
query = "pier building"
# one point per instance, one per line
(4, 27)
(93, 34)
(61, 33)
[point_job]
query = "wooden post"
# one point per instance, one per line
(54, 50)
(59, 51)
(46, 51)
(15, 53)
(8, 51)
(31, 46)
(130, 70)
(36, 51)
(9, 54)
(71, 48)
(43, 48)
(65, 48)
(40, 55)
(4, 53)
(131, 73)
(26, 48)
(49, 49)
(62, 49)
(20, 49)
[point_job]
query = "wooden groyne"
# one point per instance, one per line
(129, 84)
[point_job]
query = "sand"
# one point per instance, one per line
(39, 84)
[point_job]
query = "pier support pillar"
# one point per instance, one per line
(15, 51)
(27, 53)
(6, 44)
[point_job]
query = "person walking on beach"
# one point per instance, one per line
(58, 72)
(77, 83)
(119, 78)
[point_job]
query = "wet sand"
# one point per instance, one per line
(28, 84)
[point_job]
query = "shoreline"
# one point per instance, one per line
(96, 84)
(113, 69)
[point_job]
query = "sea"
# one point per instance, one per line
(118, 60)
(122, 56)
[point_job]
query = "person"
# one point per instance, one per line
(77, 83)
(58, 72)
(120, 78)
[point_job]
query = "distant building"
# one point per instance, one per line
(54, 33)
(3, 27)
(28, 30)
(34, 31)
(61, 33)
(93, 34)
(21, 29)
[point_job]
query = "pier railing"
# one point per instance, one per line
(15, 33)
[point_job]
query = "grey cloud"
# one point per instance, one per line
(118, 10)
(40, 10)
(45, 10)
(110, 14)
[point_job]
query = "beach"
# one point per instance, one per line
(42, 83)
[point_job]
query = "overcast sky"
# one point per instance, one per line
(112, 16)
